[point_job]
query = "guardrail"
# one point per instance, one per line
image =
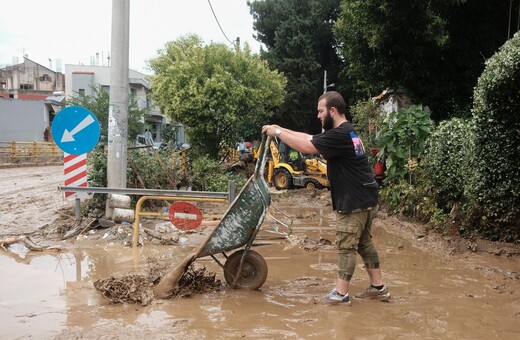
(30, 153)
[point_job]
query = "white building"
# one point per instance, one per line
(80, 79)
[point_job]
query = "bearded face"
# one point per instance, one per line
(328, 123)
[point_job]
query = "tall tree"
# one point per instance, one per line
(435, 49)
(220, 95)
(299, 41)
(477, 29)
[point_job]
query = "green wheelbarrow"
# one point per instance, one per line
(236, 231)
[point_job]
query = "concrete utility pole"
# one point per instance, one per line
(118, 108)
(325, 86)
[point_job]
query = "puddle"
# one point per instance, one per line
(51, 296)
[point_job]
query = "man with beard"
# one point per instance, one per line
(354, 193)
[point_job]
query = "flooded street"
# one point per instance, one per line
(434, 296)
(436, 293)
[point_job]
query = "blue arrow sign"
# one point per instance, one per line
(75, 130)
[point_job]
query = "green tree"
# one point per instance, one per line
(434, 49)
(98, 103)
(299, 41)
(218, 94)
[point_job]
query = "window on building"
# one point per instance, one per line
(45, 77)
(133, 93)
(81, 93)
(26, 87)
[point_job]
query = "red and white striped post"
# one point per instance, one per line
(75, 170)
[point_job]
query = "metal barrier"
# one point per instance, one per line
(29, 152)
(139, 213)
(155, 194)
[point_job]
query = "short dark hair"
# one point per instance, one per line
(334, 99)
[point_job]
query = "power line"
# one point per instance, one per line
(218, 23)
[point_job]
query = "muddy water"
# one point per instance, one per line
(51, 296)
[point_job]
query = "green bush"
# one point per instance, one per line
(403, 139)
(447, 160)
(496, 181)
(159, 170)
(97, 177)
(162, 170)
(368, 118)
(417, 199)
(408, 189)
(210, 175)
(440, 180)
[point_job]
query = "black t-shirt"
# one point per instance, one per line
(352, 184)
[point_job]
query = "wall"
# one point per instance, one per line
(22, 120)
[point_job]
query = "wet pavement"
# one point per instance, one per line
(45, 295)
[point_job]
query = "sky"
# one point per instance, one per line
(59, 32)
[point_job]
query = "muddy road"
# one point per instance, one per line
(30, 199)
(440, 289)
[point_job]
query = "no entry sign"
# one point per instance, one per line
(185, 216)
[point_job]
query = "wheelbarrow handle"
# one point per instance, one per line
(262, 155)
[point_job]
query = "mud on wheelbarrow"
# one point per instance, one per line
(244, 268)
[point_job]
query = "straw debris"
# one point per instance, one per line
(138, 288)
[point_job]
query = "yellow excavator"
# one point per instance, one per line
(288, 168)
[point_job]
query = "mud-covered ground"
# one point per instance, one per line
(443, 287)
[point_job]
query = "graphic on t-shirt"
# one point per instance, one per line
(359, 149)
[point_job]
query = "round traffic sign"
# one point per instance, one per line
(75, 130)
(185, 216)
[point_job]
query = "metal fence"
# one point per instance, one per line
(30, 153)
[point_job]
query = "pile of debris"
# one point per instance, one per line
(138, 288)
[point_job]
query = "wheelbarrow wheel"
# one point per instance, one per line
(253, 273)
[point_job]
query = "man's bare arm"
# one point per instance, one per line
(299, 141)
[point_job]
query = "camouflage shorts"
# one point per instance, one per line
(353, 236)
